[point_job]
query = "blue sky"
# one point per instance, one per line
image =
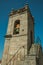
(36, 7)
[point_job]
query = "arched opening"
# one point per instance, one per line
(16, 27)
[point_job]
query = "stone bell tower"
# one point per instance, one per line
(20, 32)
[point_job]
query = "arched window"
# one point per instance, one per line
(16, 27)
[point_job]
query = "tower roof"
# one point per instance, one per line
(19, 10)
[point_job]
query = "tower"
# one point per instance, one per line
(20, 33)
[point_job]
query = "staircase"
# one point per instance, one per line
(17, 58)
(23, 60)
